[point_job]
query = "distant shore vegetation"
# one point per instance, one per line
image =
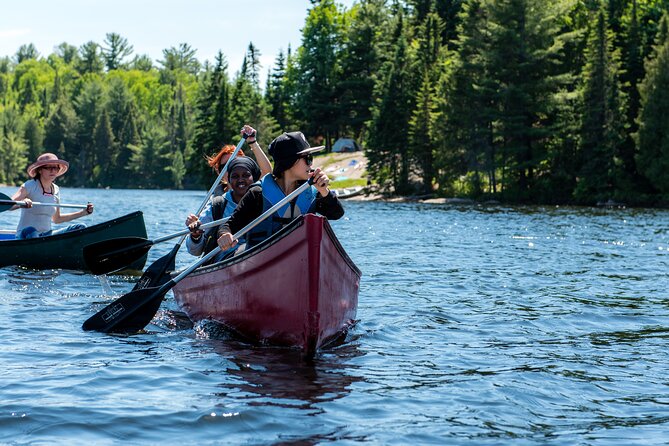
(527, 101)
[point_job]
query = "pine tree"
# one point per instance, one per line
(602, 117)
(468, 109)
(34, 136)
(422, 125)
(653, 135)
(387, 152)
(105, 147)
(253, 65)
(318, 61)
(630, 78)
(90, 60)
(211, 120)
(177, 169)
(522, 59)
(88, 104)
(275, 91)
(360, 61)
(61, 130)
(115, 51)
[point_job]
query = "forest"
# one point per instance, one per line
(521, 101)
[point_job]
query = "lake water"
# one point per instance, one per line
(478, 325)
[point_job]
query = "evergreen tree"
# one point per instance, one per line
(146, 164)
(523, 58)
(177, 170)
(318, 61)
(468, 107)
(89, 104)
(360, 62)
(422, 126)
(27, 93)
(115, 51)
(449, 11)
(60, 131)
(252, 65)
(181, 58)
(142, 63)
(602, 117)
(211, 120)
(653, 135)
(630, 78)
(105, 146)
(90, 60)
(26, 52)
(387, 151)
(422, 131)
(276, 92)
(69, 53)
(33, 136)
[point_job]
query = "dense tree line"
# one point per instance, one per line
(561, 101)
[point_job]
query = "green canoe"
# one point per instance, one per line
(65, 251)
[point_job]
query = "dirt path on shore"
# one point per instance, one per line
(343, 166)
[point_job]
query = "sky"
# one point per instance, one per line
(153, 25)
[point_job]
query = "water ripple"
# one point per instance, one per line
(477, 325)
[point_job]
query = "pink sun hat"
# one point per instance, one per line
(48, 159)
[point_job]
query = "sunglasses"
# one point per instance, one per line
(51, 168)
(309, 159)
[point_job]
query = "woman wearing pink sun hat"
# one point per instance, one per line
(36, 221)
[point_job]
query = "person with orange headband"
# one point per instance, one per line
(223, 200)
(218, 161)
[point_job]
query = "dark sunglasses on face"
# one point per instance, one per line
(309, 159)
(51, 168)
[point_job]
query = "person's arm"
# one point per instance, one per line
(329, 206)
(248, 209)
(63, 218)
(261, 158)
(327, 203)
(195, 245)
(195, 240)
(258, 152)
(21, 194)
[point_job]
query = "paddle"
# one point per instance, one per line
(158, 272)
(134, 310)
(114, 254)
(6, 203)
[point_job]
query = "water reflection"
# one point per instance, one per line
(281, 377)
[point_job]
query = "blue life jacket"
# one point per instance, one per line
(272, 194)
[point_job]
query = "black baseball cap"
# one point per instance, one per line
(290, 146)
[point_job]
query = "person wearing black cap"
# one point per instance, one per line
(243, 172)
(293, 158)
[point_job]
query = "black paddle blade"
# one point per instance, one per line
(129, 313)
(5, 206)
(159, 271)
(115, 254)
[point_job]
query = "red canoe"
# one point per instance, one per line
(299, 288)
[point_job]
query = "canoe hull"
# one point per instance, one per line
(65, 251)
(297, 289)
